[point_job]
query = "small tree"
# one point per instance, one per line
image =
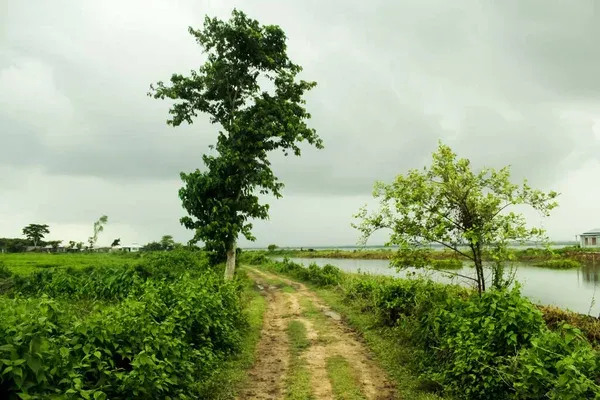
(272, 247)
(115, 242)
(152, 246)
(463, 211)
(167, 242)
(79, 246)
(55, 244)
(35, 232)
(98, 227)
(240, 55)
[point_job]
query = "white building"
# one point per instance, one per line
(590, 238)
(129, 248)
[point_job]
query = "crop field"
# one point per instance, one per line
(101, 326)
(26, 263)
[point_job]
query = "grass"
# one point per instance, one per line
(233, 375)
(447, 264)
(298, 378)
(343, 381)
(559, 264)
(27, 263)
(230, 377)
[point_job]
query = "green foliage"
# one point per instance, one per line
(36, 232)
(254, 258)
(171, 323)
(559, 264)
(447, 264)
(241, 53)
(327, 275)
(490, 346)
(471, 342)
(451, 205)
(167, 242)
(272, 247)
(558, 365)
(98, 227)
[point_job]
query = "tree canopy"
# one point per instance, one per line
(248, 86)
(36, 232)
(465, 211)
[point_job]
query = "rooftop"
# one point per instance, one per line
(595, 231)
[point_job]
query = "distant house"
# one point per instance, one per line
(58, 249)
(590, 238)
(128, 248)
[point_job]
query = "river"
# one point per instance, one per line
(574, 289)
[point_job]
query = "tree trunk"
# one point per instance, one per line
(479, 268)
(230, 264)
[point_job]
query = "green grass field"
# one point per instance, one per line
(26, 263)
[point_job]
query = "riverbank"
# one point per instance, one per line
(456, 334)
(533, 255)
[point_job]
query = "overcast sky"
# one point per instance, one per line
(502, 82)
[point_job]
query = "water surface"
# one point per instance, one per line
(575, 289)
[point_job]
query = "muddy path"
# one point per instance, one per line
(327, 337)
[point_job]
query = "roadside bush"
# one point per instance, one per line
(254, 258)
(558, 365)
(321, 276)
(471, 341)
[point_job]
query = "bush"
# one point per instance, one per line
(254, 258)
(559, 264)
(559, 365)
(447, 264)
(110, 282)
(470, 341)
(321, 276)
(166, 338)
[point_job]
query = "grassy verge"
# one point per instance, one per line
(233, 374)
(343, 381)
(298, 379)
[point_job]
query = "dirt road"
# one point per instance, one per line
(307, 352)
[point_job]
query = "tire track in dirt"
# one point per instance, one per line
(265, 379)
(373, 381)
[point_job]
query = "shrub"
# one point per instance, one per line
(559, 264)
(447, 264)
(166, 338)
(558, 365)
(254, 258)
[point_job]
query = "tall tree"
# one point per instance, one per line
(466, 212)
(248, 86)
(98, 227)
(36, 232)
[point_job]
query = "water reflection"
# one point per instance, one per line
(570, 289)
(590, 274)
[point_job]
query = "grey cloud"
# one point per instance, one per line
(502, 82)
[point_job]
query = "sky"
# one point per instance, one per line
(503, 83)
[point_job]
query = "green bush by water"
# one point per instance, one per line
(559, 264)
(447, 264)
